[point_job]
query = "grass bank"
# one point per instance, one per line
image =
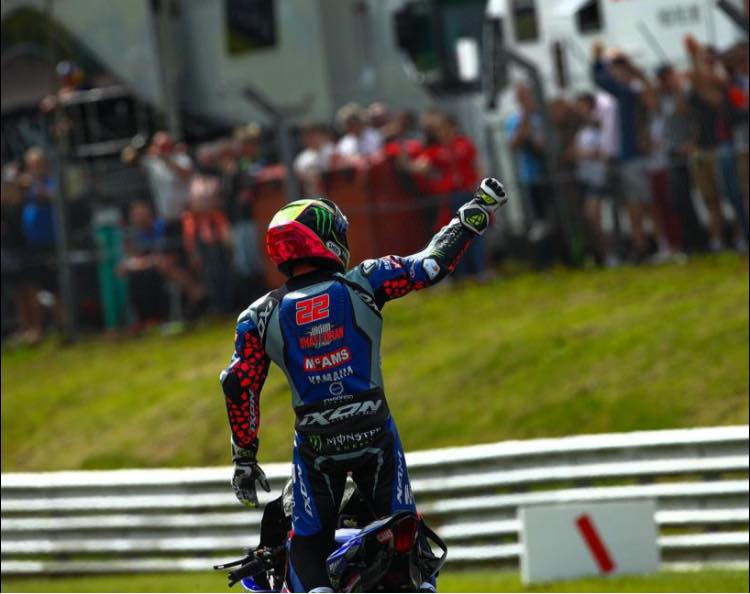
(563, 352)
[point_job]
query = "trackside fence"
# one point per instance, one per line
(186, 519)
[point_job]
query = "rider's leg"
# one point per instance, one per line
(317, 495)
(383, 480)
(381, 474)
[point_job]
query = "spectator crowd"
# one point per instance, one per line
(198, 233)
(667, 148)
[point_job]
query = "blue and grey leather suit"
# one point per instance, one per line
(323, 329)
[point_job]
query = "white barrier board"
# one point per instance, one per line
(568, 541)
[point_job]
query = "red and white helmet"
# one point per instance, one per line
(310, 230)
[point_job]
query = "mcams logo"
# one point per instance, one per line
(327, 361)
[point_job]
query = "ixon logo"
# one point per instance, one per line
(331, 415)
(303, 491)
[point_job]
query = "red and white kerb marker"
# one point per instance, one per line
(595, 543)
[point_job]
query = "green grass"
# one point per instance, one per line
(477, 581)
(551, 354)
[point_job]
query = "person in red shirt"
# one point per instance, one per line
(464, 155)
(402, 139)
(431, 166)
(402, 145)
(207, 240)
(466, 174)
(446, 171)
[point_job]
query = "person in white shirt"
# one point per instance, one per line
(605, 113)
(169, 171)
(315, 158)
(359, 140)
(591, 172)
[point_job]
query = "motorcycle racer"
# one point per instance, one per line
(323, 329)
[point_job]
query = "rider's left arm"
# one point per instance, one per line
(242, 382)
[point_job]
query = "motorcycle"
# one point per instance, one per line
(389, 554)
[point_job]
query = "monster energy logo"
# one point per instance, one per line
(315, 442)
(323, 220)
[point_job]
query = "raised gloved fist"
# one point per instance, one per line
(246, 472)
(491, 194)
(475, 214)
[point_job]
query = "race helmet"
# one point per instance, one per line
(310, 230)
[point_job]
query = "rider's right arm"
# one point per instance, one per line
(243, 380)
(395, 276)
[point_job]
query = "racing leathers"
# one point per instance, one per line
(323, 329)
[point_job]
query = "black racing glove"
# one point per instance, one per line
(246, 472)
(489, 196)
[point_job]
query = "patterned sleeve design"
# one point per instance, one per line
(242, 382)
